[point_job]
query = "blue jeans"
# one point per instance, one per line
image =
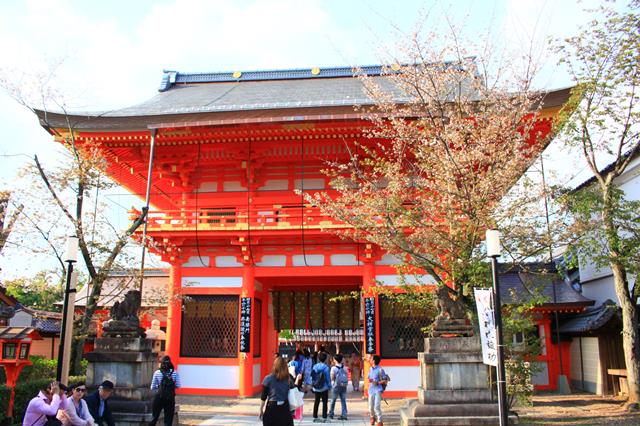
(375, 410)
(340, 391)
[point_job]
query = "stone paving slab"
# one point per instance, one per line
(196, 410)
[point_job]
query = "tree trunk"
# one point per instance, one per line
(630, 334)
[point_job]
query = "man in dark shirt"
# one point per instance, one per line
(98, 405)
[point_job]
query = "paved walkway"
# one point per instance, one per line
(199, 410)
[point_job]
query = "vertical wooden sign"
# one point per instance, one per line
(370, 324)
(245, 324)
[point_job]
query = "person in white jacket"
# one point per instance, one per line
(76, 412)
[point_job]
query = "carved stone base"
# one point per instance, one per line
(116, 328)
(129, 363)
(454, 387)
(451, 328)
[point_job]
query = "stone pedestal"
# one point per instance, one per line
(454, 386)
(129, 363)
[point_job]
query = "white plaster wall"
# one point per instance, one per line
(388, 259)
(208, 282)
(309, 183)
(227, 262)
(541, 377)
(311, 260)
(591, 360)
(344, 260)
(256, 375)
(21, 319)
(408, 279)
(403, 378)
(589, 365)
(600, 290)
(272, 260)
(275, 185)
(575, 375)
(232, 185)
(196, 262)
(589, 271)
(209, 376)
(208, 187)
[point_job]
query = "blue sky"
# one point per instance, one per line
(111, 53)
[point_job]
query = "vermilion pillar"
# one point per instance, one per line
(246, 359)
(174, 313)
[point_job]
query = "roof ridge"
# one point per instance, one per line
(171, 77)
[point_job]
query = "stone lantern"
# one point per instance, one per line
(15, 343)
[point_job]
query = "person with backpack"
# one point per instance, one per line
(377, 384)
(339, 381)
(320, 384)
(307, 365)
(165, 381)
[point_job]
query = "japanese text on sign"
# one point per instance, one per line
(370, 324)
(245, 324)
(487, 325)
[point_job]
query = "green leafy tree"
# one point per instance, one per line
(602, 121)
(42, 291)
(62, 195)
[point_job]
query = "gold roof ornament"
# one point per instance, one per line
(395, 66)
(315, 71)
(237, 74)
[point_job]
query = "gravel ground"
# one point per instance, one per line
(578, 409)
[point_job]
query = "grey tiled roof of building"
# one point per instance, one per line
(521, 287)
(199, 97)
(592, 319)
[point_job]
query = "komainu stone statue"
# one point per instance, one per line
(124, 317)
(452, 319)
(449, 308)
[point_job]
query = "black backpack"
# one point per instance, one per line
(167, 386)
(317, 379)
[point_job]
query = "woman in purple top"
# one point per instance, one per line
(47, 403)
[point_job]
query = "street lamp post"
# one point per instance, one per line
(66, 330)
(493, 251)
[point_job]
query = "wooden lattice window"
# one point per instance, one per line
(401, 329)
(209, 327)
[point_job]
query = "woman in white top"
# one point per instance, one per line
(76, 412)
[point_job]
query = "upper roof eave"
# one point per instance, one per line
(112, 122)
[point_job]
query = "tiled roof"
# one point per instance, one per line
(154, 291)
(520, 286)
(591, 320)
(197, 97)
(44, 325)
(18, 333)
(284, 95)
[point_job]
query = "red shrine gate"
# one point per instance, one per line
(248, 256)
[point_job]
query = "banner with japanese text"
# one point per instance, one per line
(484, 298)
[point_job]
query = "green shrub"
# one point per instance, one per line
(40, 367)
(5, 393)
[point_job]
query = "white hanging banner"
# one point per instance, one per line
(484, 304)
